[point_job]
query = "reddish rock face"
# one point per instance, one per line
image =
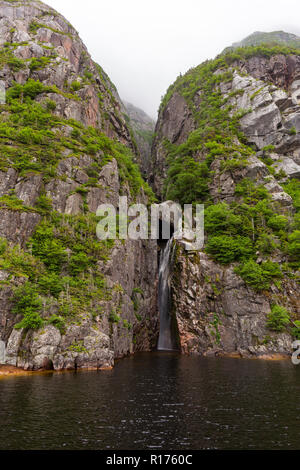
(279, 69)
(39, 32)
(82, 92)
(205, 291)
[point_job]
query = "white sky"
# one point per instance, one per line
(144, 45)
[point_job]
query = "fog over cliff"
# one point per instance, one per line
(143, 46)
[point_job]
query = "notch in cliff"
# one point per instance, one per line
(143, 127)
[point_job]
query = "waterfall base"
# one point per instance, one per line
(166, 341)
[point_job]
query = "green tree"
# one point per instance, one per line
(278, 319)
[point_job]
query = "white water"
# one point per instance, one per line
(165, 337)
(2, 352)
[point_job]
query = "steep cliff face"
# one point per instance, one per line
(67, 299)
(38, 43)
(228, 136)
(143, 129)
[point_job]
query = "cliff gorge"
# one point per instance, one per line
(67, 300)
(143, 130)
(228, 137)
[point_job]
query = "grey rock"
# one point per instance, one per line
(74, 205)
(7, 181)
(28, 189)
(17, 227)
(13, 347)
(290, 168)
(205, 290)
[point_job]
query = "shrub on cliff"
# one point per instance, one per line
(47, 248)
(220, 219)
(278, 222)
(294, 247)
(187, 180)
(259, 276)
(278, 319)
(226, 249)
(296, 329)
(28, 303)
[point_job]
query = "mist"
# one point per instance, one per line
(144, 46)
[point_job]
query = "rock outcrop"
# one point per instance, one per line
(234, 121)
(65, 148)
(218, 314)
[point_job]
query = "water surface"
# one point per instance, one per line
(160, 401)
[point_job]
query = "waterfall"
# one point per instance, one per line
(165, 342)
(2, 352)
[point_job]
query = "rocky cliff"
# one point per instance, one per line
(143, 130)
(228, 136)
(67, 300)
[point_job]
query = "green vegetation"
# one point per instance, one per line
(78, 347)
(61, 269)
(76, 86)
(59, 279)
(39, 63)
(135, 298)
(278, 319)
(296, 329)
(36, 148)
(259, 276)
(253, 226)
(215, 137)
(114, 317)
(28, 303)
(226, 249)
(215, 329)
(270, 39)
(35, 26)
(7, 58)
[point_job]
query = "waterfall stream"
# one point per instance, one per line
(2, 352)
(165, 342)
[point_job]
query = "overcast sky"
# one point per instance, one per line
(144, 45)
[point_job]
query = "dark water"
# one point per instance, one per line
(156, 401)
